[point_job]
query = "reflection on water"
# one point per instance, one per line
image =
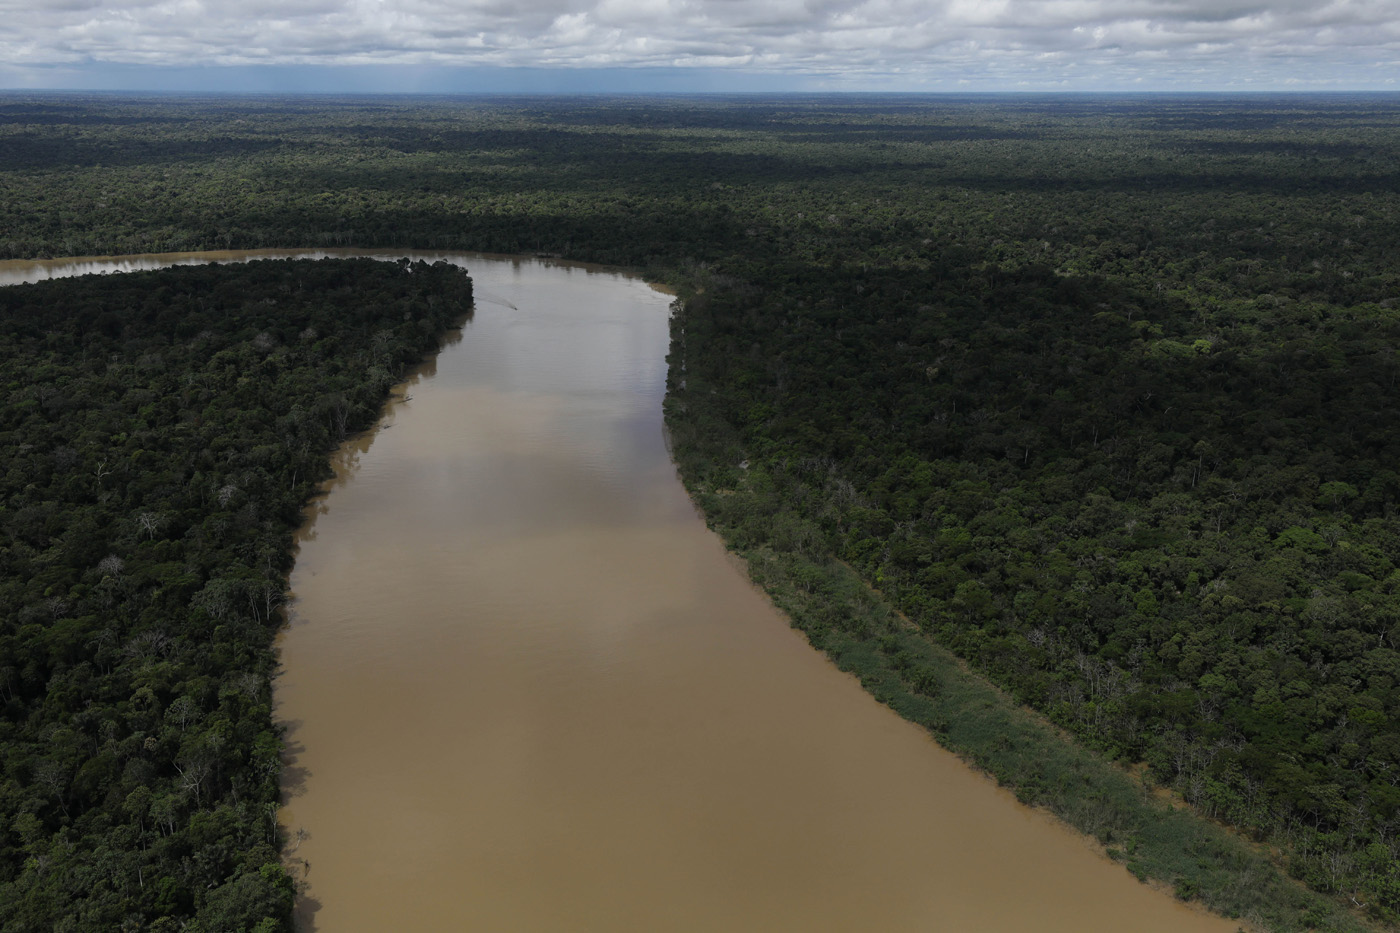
(526, 689)
(20, 271)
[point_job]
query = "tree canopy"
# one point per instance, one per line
(164, 430)
(1093, 390)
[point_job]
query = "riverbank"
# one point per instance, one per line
(1106, 447)
(164, 432)
(1167, 846)
(928, 687)
(513, 589)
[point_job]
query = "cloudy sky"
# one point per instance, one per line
(677, 45)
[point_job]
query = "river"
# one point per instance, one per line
(528, 689)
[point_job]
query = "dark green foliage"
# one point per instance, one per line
(1093, 390)
(163, 431)
(927, 685)
(1168, 523)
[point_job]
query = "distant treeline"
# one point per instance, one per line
(1095, 390)
(162, 433)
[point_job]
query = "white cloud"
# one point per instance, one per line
(1014, 42)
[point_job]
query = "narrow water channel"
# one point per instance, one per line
(528, 690)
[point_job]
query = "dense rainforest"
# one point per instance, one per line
(163, 432)
(1093, 392)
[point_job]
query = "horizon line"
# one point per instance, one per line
(968, 92)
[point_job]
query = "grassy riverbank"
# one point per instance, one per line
(1160, 843)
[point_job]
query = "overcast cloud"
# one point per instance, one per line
(837, 44)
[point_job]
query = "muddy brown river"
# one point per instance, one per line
(528, 690)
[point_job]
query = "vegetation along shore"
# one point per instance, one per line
(1045, 416)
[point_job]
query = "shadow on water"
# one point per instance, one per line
(294, 774)
(294, 781)
(304, 915)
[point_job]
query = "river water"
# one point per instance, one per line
(528, 690)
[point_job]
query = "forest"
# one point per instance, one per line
(1089, 391)
(164, 431)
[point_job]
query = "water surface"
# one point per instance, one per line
(528, 690)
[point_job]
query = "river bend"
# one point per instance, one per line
(528, 690)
